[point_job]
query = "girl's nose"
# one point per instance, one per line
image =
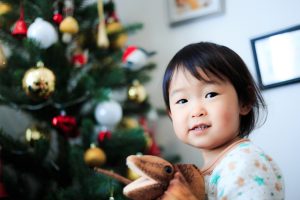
(198, 111)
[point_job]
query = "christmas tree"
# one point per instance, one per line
(68, 65)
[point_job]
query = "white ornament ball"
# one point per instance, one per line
(108, 113)
(43, 32)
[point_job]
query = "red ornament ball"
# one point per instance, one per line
(66, 124)
(79, 59)
(57, 18)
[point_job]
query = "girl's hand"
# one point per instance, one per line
(178, 189)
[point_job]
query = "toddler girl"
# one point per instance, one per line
(214, 104)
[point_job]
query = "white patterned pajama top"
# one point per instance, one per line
(244, 172)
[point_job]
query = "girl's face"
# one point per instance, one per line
(204, 114)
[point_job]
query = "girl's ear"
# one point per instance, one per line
(245, 109)
(169, 114)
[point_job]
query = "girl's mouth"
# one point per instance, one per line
(200, 127)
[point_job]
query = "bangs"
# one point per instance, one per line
(203, 72)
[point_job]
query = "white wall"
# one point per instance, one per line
(241, 21)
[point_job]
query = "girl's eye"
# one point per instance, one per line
(211, 95)
(181, 101)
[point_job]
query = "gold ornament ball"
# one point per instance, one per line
(130, 122)
(132, 175)
(35, 133)
(137, 92)
(94, 157)
(69, 25)
(39, 82)
(4, 8)
(121, 39)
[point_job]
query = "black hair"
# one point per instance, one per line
(224, 64)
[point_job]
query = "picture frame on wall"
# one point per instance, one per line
(183, 10)
(276, 56)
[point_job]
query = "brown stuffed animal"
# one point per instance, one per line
(159, 179)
